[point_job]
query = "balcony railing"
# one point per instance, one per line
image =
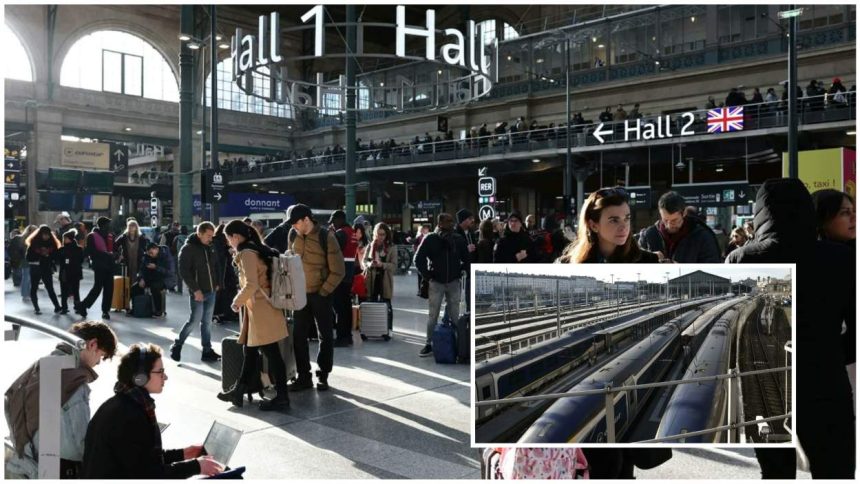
(812, 110)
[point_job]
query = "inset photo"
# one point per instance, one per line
(638, 355)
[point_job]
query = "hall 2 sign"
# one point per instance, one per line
(719, 121)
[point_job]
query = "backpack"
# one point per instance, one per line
(287, 278)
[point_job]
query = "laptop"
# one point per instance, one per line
(221, 442)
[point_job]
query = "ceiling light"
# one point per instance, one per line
(509, 57)
(693, 18)
(126, 129)
(535, 160)
(656, 63)
(719, 170)
(289, 127)
(600, 46)
(594, 39)
(193, 45)
(254, 185)
(680, 165)
(184, 37)
(439, 72)
(539, 61)
(851, 133)
(199, 131)
(218, 37)
(398, 183)
(381, 84)
(223, 46)
(274, 192)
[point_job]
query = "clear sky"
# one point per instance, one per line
(647, 272)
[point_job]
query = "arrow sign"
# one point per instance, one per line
(482, 171)
(118, 154)
(217, 196)
(600, 134)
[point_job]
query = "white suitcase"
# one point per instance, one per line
(374, 321)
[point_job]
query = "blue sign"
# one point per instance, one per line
(244, 204)
(196, 205)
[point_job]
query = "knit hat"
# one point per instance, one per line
(462, 215)
(517, 215)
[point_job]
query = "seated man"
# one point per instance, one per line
(22, 404)
(153, 271)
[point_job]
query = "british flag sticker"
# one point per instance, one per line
(722, 120)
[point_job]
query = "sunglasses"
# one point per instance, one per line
(612, 192)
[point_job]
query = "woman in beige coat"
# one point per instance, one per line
(380, 262)
(262, 325)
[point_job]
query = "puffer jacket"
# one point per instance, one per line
(198, 265)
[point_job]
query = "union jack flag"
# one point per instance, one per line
(726, 119)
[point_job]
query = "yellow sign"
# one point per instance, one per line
(818, 169)
(94, 156)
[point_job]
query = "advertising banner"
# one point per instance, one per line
(93, 156)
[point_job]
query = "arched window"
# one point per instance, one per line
(17, 64)
(118, 62)
(232, 98)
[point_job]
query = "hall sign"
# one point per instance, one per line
(719, 120)
(261, 54)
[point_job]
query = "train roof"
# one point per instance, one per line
(711, 314)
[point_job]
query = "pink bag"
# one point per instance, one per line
(543, 463)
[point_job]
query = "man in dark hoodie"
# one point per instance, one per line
(199, 269)
(785, 232)
(515, 245)
(440, 258)
(99, 249)
(684, 239)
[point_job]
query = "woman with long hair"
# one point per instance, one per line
(380, 262)
(604, 231)
(262, 326)
(836, 216)
(42, 246)
(25, 269)
(737, 239)
(226, 276)
(130, 247)
(360, 233)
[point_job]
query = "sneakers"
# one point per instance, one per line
(210, 355)
(322, 384)
(175, 352)
(427, 350)
(300, 384)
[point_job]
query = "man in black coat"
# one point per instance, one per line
(465, 226)
(786, 232)
(440, 259)
(684, 239)
(198, 268)
(515, 245)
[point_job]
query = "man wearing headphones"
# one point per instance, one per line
(22, 404)
(124, 440)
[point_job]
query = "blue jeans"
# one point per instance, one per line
(200, 311)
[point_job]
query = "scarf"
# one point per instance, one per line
(140, 396)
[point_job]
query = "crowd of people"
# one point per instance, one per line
(229, 266)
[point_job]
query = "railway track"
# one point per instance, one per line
(763, 394)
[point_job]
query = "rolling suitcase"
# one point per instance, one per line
(374, 320)
(444, 342)
(141, 305)
(464, 338)
(231, 365)
(287, 354)
(121, 291)
(356, 317)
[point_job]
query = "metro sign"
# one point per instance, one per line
(486, 212)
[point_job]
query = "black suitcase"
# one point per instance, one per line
(141, 305)
(464, 338)
(231, 365)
